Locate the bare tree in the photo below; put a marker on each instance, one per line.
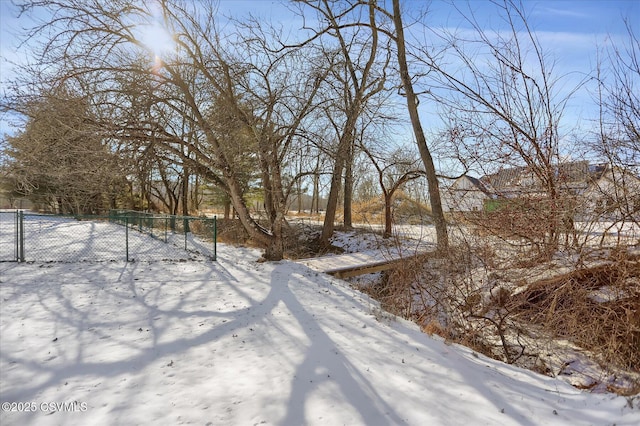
(394, 169)
(504, 103)
(358, 76)
(618, 79)
(425, 154)
(102, 43)
(618, 141)
(391, 26)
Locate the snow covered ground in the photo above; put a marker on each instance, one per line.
(237, 342)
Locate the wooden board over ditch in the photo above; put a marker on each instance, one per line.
(354, 264)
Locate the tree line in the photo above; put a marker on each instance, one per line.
(257, 111)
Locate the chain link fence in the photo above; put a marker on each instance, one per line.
(8, 235)
(121, 235)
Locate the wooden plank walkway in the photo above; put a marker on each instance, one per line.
(353, 264)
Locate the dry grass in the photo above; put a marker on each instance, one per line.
(405, 210)
(596, 308)
(231, 231)
(467, 300)
(299, 240)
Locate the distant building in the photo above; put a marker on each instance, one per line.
(467, 194)
(596, 190)
(614, 195)
(571, 178)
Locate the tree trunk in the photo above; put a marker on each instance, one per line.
(315, 198)
(272, 241)
(412, 106)
(332, 200)
(299, 188)
(185, 192)
(195, 198)
(344, 145)
(299, 185)
(227, 208)
(388, 197)
(348, 188)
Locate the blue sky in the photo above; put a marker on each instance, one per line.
(570, 31)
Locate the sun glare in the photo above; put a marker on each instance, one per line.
(152, 33)
(157, 39)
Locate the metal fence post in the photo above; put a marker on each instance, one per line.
(126, 237)
(215, 238)
(186, 229)
(21, 236)
(16, 235)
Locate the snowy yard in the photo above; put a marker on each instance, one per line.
(236, 342)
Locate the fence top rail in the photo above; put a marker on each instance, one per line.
(133, 213)
(128, 214)
(64, 216)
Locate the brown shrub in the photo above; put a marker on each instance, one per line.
(597, 308)
(231, 231)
